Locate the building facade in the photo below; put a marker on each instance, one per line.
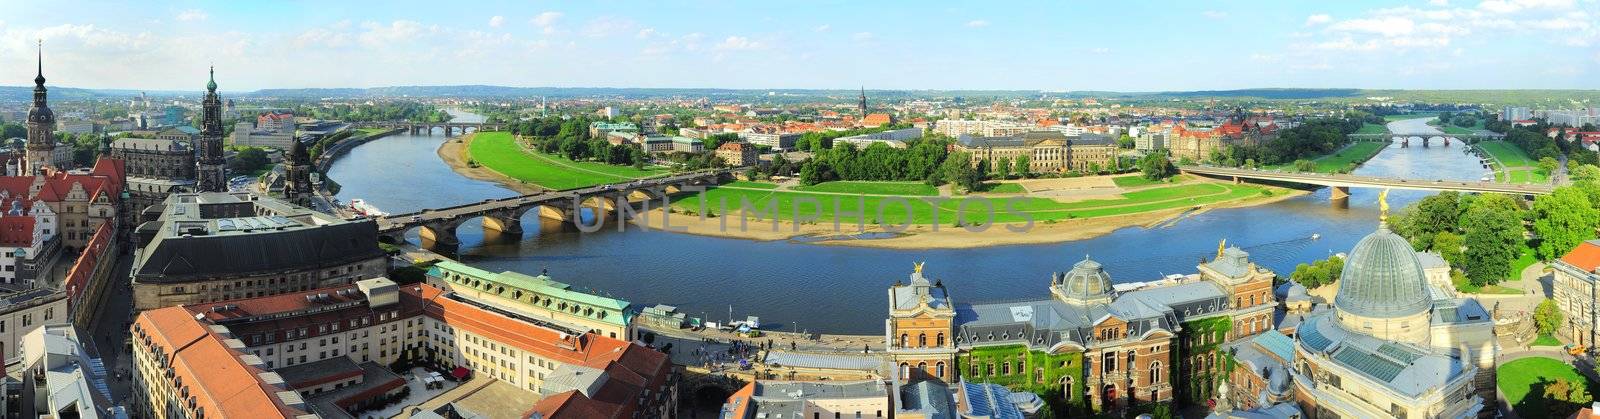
(155, 168)
(204, 247)
(1047, 151)
(538, 297)
(297, 170)
(1087, 345)
(81, 202)
(379, 321)
(737, 154)
(1575, 291)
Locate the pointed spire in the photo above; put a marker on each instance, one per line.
(39, 79)
(211, 86)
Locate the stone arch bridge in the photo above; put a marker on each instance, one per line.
(1426, 138)
(450, 128)
(505, 214)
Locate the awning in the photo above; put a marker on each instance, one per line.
(459, 373)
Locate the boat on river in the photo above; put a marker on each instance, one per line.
(362, 208)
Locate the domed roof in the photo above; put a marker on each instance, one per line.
(1382, 278)
(1087, 282)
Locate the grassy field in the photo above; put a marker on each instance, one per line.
(1134, 180)
(1006, 188)
(1516, 166)
(499, 152)
(872, 188)
(1546, 340)
(370, 131)
(1372, 129)
(1358, 152)
(921, 212)
(1516, 379)
(1392, 118)
(753, 185)
(1465, 286)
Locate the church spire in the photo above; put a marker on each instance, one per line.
(38, 80)
(211, 85)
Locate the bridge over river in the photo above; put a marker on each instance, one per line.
(1341, 183)
(505, 214)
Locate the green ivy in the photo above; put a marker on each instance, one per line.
(1197, 388)
(1047, 386)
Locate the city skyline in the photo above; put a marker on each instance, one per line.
(1435, 44)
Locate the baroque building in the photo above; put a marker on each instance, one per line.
(1088, 345)
(211, 167)
(155, 168)
(297, 175)
(1047, 151)
(1394, 345)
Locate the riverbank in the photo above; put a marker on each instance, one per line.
(454, 154)
(944, 236)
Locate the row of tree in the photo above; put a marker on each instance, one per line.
(1310, 139)
(570, 138)
(1483, 234)
(384, 111)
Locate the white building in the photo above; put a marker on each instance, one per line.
(27, 240)
(62, 379)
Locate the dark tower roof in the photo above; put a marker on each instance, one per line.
(38, 81)
(211, 85)
(40, 112)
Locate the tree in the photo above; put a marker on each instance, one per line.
(1424, 219)
(1304, 165)
(1156, 166)
(1587, 172)
(1493, 237)
(1022, 168)
(958, 170)
(1562, 220)
(1003, 168)
(1448, 245)
(248, 159)
(1547, 316)
(1548, 165)
(1125, 141)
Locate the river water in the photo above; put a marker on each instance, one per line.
(838, 289)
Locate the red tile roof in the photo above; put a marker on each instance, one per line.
(16, 230)
(83, 269)
(1586, 256)
(218, 382)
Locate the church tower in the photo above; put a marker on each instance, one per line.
(211, 175)
(863, 104)
(41, 127)
(297, 175)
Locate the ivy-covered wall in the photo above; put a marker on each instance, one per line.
(1040, 375)
(1198, 337)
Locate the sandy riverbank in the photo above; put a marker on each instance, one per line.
(943, 236)
(454, 153)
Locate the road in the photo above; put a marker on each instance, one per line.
(109, 329)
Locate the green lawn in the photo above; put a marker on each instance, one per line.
(1518, 378)
(370, 131)
(1508, 154)
(1546, 340)
(1465, 286)
(752, 185)
(499, 152)
(1134, 180)
(1005, 188)
(873, 188)
(1371, 128)
(1525, 258)
(1039, 209)
(1357, 152)
(1392, 118)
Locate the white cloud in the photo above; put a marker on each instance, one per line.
(546, 21)
(1439, 2)
(1347, 44)
(1214, 14)
(824, 28)
(1513, 6)
(605, 26)
(495, 22)
(645, 33)
(1386, 26)
(1318, 19)
(192, 15)
(738, 43)
(863, 36)
(378, 35)
(1099, 50)
(977, 23)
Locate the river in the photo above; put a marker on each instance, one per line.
(838, 289)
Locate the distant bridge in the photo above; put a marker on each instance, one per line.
(1341, 183)
(1426, 137)
(505, 214)
(422, 127)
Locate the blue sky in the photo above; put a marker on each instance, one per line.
(1123, 46)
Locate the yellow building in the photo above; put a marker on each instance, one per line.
(538, 297)
(1047, 151)
(919, 329)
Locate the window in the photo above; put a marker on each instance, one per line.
(939, 369)
(1110, 364)
(941, 339)
(922, 340)
(1155, 372)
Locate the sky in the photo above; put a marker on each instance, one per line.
(901, 45)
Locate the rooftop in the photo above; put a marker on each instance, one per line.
(203, 235)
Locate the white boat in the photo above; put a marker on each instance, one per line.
(361, 207)
(1315, 236)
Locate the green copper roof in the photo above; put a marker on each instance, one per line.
(212, 85)
(539, 285)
